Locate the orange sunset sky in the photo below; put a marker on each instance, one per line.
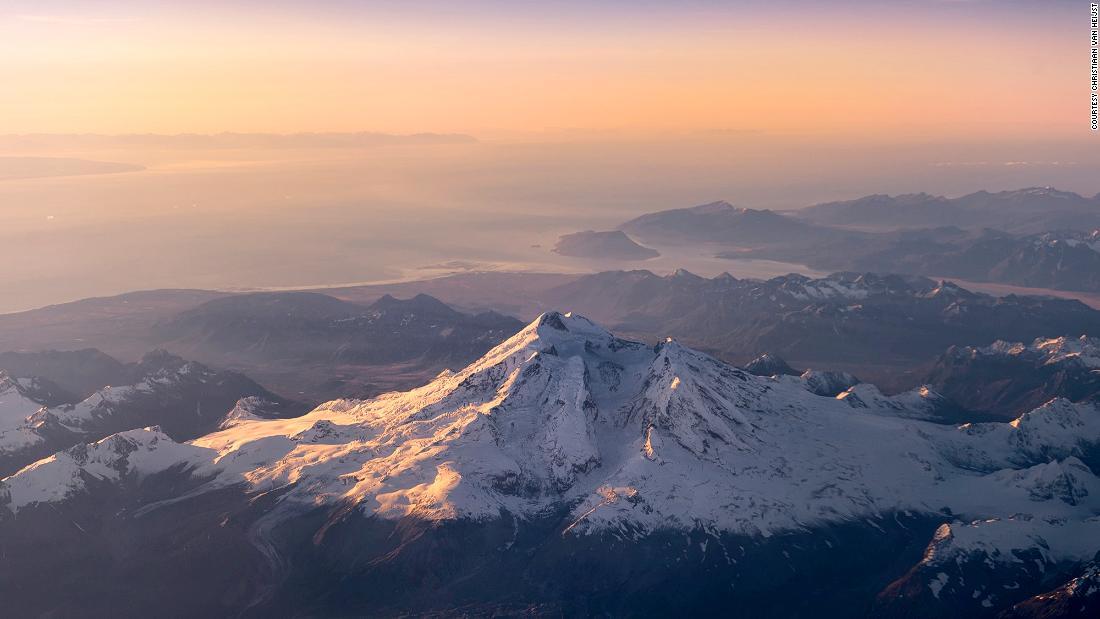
(923, 69)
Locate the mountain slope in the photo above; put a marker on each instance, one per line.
(566, 441)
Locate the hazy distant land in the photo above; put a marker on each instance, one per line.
(43, 167)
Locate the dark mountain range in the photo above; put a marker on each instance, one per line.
(316, 349)
(1008, 378)
(78, 372)
(309, 345)
(310, 326)
(118, 325)
(1053, 260)
(1079, 597)
(610, 245)
(320, 347)
(1062, 261)
(879, 327)
(567, 472)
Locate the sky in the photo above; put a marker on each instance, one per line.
(915, 70)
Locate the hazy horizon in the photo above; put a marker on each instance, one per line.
(526, 121)
(221, 218)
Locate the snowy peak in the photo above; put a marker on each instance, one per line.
(852, 286)
(16, 395)
(553, 334)
(695, 401)
(921, 402)
(1082, 350)
(18, 410)
(828, 383)
(768, 364)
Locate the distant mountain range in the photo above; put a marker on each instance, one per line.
(885, 329)
(723, 223)
(324, 347)
(311, 326)
(1031, 210)
(1056, 260)
(571, 472)
(1036, 237)
(880, 327)
(77, 373)
(307, 346)
(1024, 211)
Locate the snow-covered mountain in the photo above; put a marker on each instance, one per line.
(567, 439)
(17, 404)
(188, 399)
